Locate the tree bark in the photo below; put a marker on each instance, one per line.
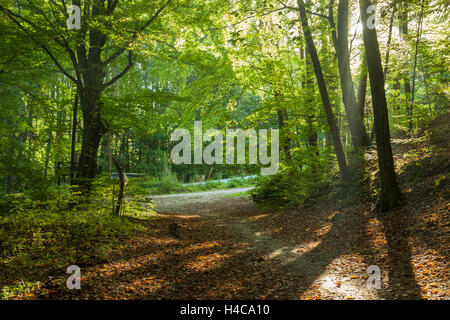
(309, 84)
(390, 193)
(93, 131)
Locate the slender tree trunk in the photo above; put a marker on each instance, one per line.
(362, 88)
(47, 153)
(309, 83)
(345, 173)
(109, 153)
(122, 183)
(74, 139)
(390, 193)
(388, 51)
(282, 118)
(403, 28)
(358, 131)
(308, 86)
(418, 36)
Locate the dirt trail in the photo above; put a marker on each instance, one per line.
(228, 248)
(232, 214)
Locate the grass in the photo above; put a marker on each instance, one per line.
(238, 194)
(169, 185)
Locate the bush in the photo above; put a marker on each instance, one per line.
(167, 184)
(288, 188)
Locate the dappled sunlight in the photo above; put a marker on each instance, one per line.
(207, 263)
(347, 288)
(200, 246)
(306, 247)
(257, 217)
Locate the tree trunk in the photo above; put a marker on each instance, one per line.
(309, 85)
(93, 131)
(122, 183)
(345, 173)
(282, 118)
(74, 137)
(403, 28)
(390, 193)
(418, 36)
(391, 25)
(362, 88)
(358, 131)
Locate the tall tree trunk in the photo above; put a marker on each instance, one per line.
(309, 84)
(418, 36)
(403, 29)
(358, 131)
(47, 153)
(386, 61)
(390, 193)
(345, 173)
(308, 90)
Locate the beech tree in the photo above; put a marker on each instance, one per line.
(390, 192)
(92, 53)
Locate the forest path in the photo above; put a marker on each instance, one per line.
(303, 264)
(227, 248)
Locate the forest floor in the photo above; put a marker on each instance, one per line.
(230, 249)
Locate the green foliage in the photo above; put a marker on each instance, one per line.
(43, 236)
(22, 287)
(169, 184)
(288, 188)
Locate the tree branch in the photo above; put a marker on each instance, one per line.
(13, 17)
(124, 71)
(307, 11)
(115, 55)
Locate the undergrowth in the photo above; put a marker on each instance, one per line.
(41, 236)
